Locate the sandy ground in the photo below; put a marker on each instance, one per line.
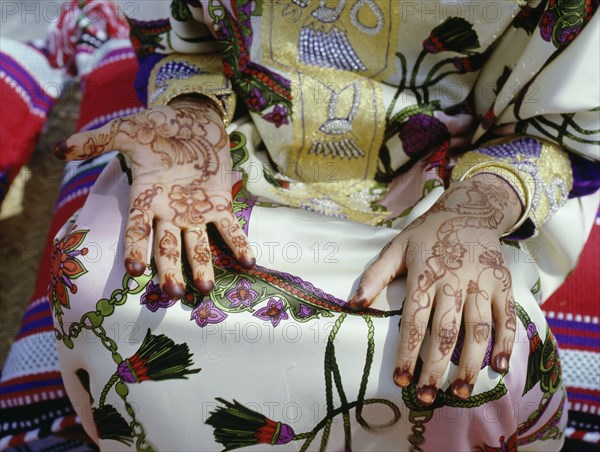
(25, 217)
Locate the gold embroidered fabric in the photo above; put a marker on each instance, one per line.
(335, 56)
(539, 172)
(206, 79)
(351, 199)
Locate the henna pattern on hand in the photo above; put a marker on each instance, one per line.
(462, 388)
(240, 242)
(402, 376)
(172, 288)
(138, 231)
(479, 206)
(448, 335)
(201, 252)
(93, 146)
(426, 394)
(481, 332)
(179, 140)
(492, 259)
(168, 247)
(189, 203)
(415, 336)
(144, 199)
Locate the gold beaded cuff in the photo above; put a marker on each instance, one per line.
(199, 75)
(538, 171)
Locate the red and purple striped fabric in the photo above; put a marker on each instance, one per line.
(573, 316)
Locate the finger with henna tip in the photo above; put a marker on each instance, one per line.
(413, 328)
(503, 306)
(235, 237)
(85, 145)
(199, 257)
(478, 330)
(137, 234)
(136, 252)
(444, 333)
(378, 275)
(167, 254)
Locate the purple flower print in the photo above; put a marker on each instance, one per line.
(305, 311)
(568, 34)
(207, 313)
(154, 298)
(255, 101)
(242, 294)
(278, 116)
(547, 24)
(273, 312)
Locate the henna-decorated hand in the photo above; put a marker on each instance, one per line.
(456, 275)
(181, 166)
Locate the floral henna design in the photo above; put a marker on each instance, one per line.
(482, 209)
(492, 259)
(451, 292)
(473, 288)
(239, 242)
(201, 252)
(138, 232)
(140, 226)
(190, 204)
(232, 227)
(481, 330)
(483, 206)
(169, 247)
(179, 140)
(94, 145)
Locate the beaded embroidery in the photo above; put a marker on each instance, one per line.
(173, 70)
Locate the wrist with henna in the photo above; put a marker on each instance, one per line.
(486, 196)
(456, 276)
(200, 102)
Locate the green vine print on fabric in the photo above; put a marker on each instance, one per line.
(563, 20)
(237, 426)
(562, 132)
(560, 24)
(158, 358)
